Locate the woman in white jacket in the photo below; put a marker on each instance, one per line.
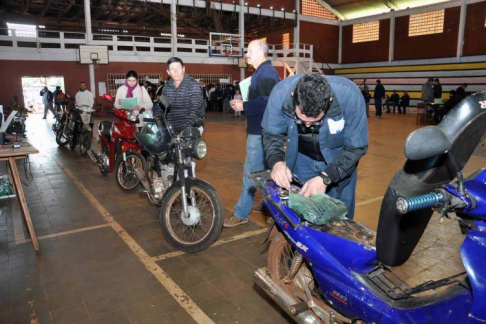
(131, 89)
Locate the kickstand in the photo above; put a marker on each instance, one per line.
(270, 227)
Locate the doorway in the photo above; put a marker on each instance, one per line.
(31, 87)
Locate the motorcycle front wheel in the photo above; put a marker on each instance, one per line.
(61, 139)
(84, 142)
(197, 231)
(125, 171)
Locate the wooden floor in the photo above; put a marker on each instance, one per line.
(103, 258)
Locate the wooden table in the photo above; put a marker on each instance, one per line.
(11, 155)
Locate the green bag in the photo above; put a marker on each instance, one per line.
(318, 209)
(5, 186)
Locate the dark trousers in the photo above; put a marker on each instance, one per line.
(404, 108)
(378, 106)
(396, 105)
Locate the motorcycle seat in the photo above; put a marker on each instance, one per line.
(105, 128)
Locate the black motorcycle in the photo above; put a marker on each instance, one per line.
(190, 211)
(61, 114)
(77, 128)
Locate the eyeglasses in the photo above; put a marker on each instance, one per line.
(299, 121)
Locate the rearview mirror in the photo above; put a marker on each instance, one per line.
(425, 143)
(108, 98)
(164, 101)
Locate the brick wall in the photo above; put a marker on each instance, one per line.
(74, 73)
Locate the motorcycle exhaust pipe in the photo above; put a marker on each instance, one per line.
(93, 158)
(285, 300)
(143, 180)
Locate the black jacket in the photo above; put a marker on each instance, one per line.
(379, 91)
(50, 96)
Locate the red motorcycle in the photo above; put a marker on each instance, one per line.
(119, 150)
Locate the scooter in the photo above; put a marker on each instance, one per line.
(339, 272)
(119, 150)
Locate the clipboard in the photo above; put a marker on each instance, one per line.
(129, 103)
(245, 88)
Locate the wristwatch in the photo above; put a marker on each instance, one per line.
(325, 178)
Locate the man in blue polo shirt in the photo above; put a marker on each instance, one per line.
(262, 83)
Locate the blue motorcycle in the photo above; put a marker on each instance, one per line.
(339, 272)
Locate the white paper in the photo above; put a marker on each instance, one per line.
(335, 127)
(101, 88)
(245, 88)
(224, 81)
(6, 123)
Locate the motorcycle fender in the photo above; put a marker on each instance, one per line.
(127, 146)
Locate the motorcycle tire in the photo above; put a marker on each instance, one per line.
(84, 142)
(61, 140)
(119, 170)
(176, 232)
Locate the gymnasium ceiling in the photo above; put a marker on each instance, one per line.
(149, 17)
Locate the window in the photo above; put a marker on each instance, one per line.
(426, 23)
(366, 32)
(22, 30)
(286, 39)
(312, 8)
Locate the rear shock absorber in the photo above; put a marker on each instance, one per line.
(405, 205)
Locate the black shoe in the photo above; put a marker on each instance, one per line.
(44, 118)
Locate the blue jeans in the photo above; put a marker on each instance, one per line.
(307, 168)
(254, 162)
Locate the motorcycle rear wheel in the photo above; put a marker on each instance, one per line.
(84, 142)
(125, 175)
(201, 235)
(61, 140)
(280, 255)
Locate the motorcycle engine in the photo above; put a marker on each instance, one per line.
(167, 172)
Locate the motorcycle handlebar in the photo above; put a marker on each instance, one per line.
(432, 199)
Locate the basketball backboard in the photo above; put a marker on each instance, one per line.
(225, 45)
(93, 54)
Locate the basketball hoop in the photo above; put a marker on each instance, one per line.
(227, 53)
(96, 63)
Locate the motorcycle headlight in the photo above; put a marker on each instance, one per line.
(200, 149)
(131, 116)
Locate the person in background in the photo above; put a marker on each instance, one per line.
(395, 101)
(428, 91)
(47, 98)
(158, 92)
(379, 95)
(84, 97)
(55, 94)
(132, 89)
(61, 101)
(405, 102)
(461, 92)
(437, 89)
(387, 103)
(226, 98)
(262, 82)
(204, 92)
(366, 95)
(237, 96)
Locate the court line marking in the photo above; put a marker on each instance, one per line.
(79, 230)
(217, 243)
(177, 293)
(369, 201)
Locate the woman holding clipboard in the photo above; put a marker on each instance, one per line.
(132, 96)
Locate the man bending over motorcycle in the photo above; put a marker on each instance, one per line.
(185, 97)
(324, 121)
